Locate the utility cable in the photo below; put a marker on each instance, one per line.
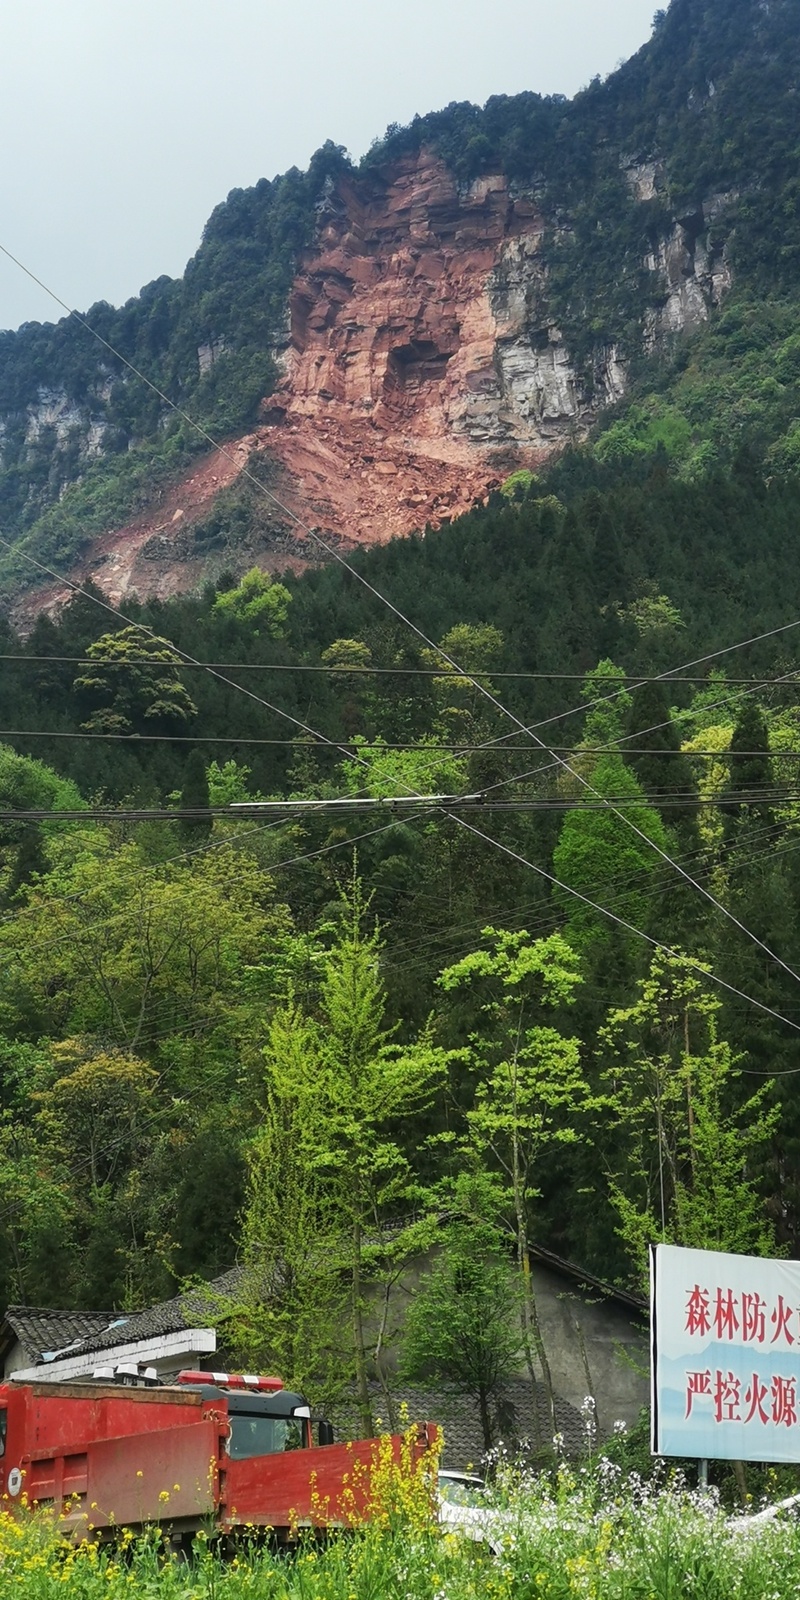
(356, 670)
(444, 655)
(420, 745)
(395, 611)
(629, 927)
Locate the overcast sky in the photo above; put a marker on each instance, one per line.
(124, 122)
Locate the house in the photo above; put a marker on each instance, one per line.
(62, 1345)
(595, 1337)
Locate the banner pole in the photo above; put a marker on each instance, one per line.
(702, 1474)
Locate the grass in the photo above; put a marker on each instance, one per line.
(598, 1534)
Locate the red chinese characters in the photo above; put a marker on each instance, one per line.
(741, 1317)
(753, 1315)
(727, 1392)
(780, 1320)
(726, 1322)
(784, 1401)
(698, 1319)
(755, 1395)
(697, 1383)
(776, 1402)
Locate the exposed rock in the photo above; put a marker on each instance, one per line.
(646, 178)
(57, 411)
(412, 344)
(695, 276)
(208, 353)
(420, 364)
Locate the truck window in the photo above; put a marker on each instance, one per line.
(263, 1436)
(3, 1431)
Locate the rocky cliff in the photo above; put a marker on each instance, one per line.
(419, 366)
(415, 376)
(385, 344)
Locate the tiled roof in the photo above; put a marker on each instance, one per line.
(587, 1281)
(43, 1331)
(460, 1421)
(189, 1310)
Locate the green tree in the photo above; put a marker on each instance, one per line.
(529, 1086)
(30, 863)
(464, 712)
(347, 660)
(196, 796)
(111, 944)
(688, 1167)
(599, 855)
(750, 766)
(653, 751)
(134, 684)
(292, 1306)
(462, 1328)
(256, 599)
(351, 1088)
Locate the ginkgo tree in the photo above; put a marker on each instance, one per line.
(529, 1084)
(687, 1164)
(337, 1077)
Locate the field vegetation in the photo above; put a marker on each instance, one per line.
(596, 1535)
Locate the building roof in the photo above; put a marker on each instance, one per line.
(43, 1329)
(526, 1420)
(587, 1281)
(44, 1332)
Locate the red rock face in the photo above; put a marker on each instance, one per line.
(390, 369)
(412, 383)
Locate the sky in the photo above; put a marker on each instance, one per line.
(124, 122)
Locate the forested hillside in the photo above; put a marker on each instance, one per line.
(551, 998)
(668, 195)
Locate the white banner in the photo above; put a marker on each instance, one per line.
(725, 1355)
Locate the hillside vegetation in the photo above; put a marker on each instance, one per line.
(318, 1037)
(707, 107)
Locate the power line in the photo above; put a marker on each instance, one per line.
(356, 670)
(349, 806)
(271, 868)
(358, 743)
(620, 744)
(337, 556)
(107, 607)
(650, 843)
(629, 927)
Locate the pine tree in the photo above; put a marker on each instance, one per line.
(31, 860)
(750, 780)
(655, 755)
(195, 796)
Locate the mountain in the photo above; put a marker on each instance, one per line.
(384, 344)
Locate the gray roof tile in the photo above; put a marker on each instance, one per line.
(42, 1331)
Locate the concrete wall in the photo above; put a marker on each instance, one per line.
(594, 1344)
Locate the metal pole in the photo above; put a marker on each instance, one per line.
(702, 1474)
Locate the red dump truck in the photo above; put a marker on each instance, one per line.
(217, 1451)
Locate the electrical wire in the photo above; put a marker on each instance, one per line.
(686, 800)
(358, 744)
(337, 556)
(629, 927)
(444, 655)
(357, 670)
